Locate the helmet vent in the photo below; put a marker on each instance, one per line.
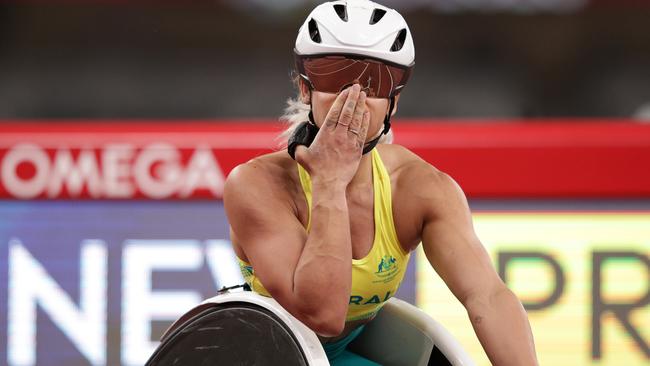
(376, 16)
(314, 34)
(399, 41)
(341, 11)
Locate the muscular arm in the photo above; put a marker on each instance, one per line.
(457, 255)
(323, 274)
(308, 274)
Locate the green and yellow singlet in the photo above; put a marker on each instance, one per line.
(376, 277)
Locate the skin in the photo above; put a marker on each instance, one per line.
(428, 208)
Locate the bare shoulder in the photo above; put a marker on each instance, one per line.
(420, 188)
(267, 183)
(272, 172)
(410, 172)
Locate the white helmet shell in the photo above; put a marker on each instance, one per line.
(359, 27)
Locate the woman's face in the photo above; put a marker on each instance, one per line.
(322, 102)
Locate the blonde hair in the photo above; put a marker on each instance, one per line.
(297, 112)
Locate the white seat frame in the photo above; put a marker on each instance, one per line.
(400, 335)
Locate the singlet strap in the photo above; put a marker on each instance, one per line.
(305, 182)
(384, 204)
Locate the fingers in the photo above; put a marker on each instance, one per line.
(363, 129)
(332, 118)
(357, 119)
(347, 113)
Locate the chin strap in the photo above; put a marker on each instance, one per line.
(305, 132)
(372, 143)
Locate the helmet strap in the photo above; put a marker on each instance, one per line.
(311, 107)
(372, 143)
(304, 134)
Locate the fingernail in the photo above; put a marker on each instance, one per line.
(356, 87)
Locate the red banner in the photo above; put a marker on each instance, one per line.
(189, 160)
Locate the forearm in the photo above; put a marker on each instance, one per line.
(323, 275)
(502, 327)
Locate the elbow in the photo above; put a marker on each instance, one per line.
(328, 327)
(325, 322)
(480, 300)
(324, 316)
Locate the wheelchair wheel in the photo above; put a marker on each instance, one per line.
(234, 333)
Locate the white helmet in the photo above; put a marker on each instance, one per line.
(358, 27)
(355, 29)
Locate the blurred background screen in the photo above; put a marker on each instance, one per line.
(206, 59)
(120, 121)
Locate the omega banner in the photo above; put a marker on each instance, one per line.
(111, 230)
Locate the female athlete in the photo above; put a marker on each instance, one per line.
(329, 234)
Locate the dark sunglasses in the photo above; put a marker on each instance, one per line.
(333, 73)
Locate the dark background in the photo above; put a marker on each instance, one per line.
(232, 59)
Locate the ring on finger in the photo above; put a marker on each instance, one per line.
(356, 132)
